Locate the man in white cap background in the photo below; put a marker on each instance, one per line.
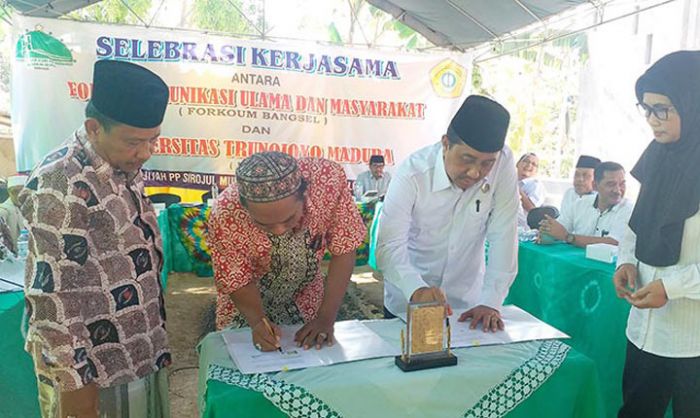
(9, 211)
(583, 183)
(94, 298)
(374, 179)
(444, 201)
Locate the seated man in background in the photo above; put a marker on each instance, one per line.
(3, 190)
(600, 218)
(374, 179)
(531, 189)
(9, 210)
(583, 184)
(269, 232)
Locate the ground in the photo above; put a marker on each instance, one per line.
(190, 303)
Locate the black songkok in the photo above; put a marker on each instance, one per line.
(129, 94)
(586, 161)
(480, 123)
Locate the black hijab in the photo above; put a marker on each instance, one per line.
(669, 173)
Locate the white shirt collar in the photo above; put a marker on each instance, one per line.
(613, 208)
(441, 180)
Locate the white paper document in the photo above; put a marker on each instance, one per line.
(353, 341)
(519, 326)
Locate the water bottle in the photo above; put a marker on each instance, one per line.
(526, 234)
(357, 190)
(23, 245)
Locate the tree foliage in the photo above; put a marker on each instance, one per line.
(114, 11)
(540, 87)
(372, 26)
(230, 16)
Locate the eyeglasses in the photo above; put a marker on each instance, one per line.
(660, 113)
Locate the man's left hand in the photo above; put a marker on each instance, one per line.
(489, 317)
(652, 295)
(552, 227)
(316, 332)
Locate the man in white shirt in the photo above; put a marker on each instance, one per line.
(595, 218)
(9, 211)
(532, 191)
(445, 200)
(583, 184)
(374, 179)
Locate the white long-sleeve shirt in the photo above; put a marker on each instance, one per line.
(534, 189)
(674, 329)
(586, 219)
(569, 200)
(432, 233)
(366, 181)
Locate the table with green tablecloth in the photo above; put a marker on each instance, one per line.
(559, 285)
(544, 379)
(184, 231)
(18, 393)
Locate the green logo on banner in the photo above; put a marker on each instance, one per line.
(40, 50)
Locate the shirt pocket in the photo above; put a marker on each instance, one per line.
(477, 212)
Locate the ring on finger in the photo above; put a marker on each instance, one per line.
(258, 346)
(323, 335)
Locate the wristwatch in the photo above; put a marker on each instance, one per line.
(570, 238)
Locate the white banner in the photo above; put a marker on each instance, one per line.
(230, 98)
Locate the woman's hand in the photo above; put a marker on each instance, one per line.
(625, 280)
(652, 295)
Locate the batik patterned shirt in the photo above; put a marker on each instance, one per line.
(241, 251)
(94, 297)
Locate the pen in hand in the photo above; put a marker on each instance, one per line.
(269, 329)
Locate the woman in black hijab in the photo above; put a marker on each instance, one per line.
(659, 261)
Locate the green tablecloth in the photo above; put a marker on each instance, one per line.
(571, 391)
(558, 285)
(18, 394)
(184, 231)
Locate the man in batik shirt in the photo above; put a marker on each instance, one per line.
(94, 298)
(268, 234)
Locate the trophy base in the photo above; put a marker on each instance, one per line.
(426, 361)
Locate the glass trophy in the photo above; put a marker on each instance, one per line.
(425, 343)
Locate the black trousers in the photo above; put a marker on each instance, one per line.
(650, 382)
